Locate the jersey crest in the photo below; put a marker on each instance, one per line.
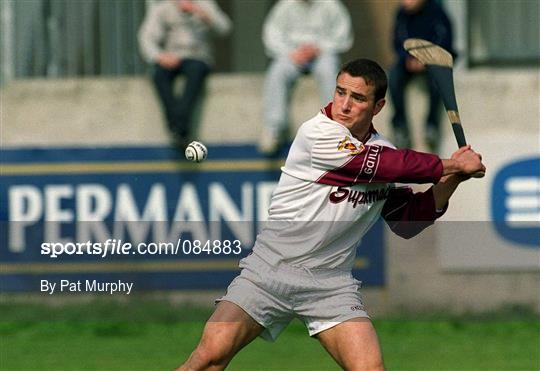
(347, 145)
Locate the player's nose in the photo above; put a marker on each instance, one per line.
(346, 104)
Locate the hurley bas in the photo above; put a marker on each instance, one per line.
(86, 286)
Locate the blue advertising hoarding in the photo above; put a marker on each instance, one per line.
(515, 203)
(107, 199)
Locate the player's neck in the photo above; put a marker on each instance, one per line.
(362, 133)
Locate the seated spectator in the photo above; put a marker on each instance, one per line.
(300, 37)
(423, 19)
(175, 39)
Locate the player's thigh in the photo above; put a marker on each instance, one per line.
(353, 344)
(228, 330)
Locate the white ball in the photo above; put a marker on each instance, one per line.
(196, 151)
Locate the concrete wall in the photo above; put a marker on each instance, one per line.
(125, 111)
(120, 111)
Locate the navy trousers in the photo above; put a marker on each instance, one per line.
(398, 80)
(179, 109)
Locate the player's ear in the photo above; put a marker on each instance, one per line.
(379, 106)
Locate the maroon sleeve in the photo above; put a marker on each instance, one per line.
(408, 213)
(379, 164)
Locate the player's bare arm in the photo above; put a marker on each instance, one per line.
(443, 190)
(409, 213)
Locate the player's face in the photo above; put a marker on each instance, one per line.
(354, 103)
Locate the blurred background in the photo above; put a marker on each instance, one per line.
(85, 147)
(56, 38)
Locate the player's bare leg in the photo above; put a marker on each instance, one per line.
(227, 331)
(354, 345)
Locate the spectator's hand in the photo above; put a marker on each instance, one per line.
(310, 51)
(168, 60)
(413, 65)
(469, 162)
(188, 6)
(298, 57)
(304, 54)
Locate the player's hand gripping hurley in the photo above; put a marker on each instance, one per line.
(439, 63)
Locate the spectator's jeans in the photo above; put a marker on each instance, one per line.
(398, 80)
(280, 78)
(179, 110)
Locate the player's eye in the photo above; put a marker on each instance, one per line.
(359, 98)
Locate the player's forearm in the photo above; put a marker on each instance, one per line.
(443, 190)
(450, 166)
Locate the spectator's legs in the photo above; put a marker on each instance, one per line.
(325, 69)
(398, 79)
(280, 77)
(195, 73)
(433, 136)
(164, 82)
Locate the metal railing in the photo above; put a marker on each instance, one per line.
(63, 38)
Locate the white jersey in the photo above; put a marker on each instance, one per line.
(313, 224)
(332, 190)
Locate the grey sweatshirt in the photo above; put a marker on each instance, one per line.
(168, 29)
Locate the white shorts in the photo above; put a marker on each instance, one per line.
(273, 296)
